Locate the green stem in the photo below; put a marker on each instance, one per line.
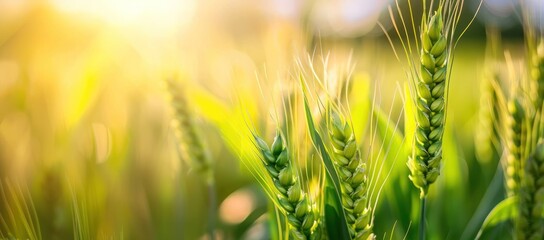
(422, 219)
(212, 209)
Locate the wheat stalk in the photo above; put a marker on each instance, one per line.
(516, 139)
(190, 143)
(291, 199)
(425, 161)
(192, 148)
(429, 75)
(537, 73)
(530, 222)
(353, 175)
(489, 119)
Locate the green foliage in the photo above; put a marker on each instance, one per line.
(531, 197)
(84, 125)
(335, 219)
(504, 211)
(19, 219)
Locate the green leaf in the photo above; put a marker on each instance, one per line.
(393, 151)
(392, 141)
(335, 219)
(334, 213)
(22, 221)
(235, 133)
(398, 191)
(274, 222)
(504, 211)
(491, 197)
(450, 188)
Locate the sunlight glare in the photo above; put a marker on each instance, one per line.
(156, 15)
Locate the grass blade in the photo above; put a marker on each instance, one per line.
(504, 211)
(335, 220)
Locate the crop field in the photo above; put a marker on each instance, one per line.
(272, 119)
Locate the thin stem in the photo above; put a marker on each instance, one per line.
(212, 208)
(422, 219)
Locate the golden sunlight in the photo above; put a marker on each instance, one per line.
(155, 15)
(271, 119)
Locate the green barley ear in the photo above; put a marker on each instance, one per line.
(291, 199)
(530, 221)
(191, 145)
(516, 139)
(425, 161)
(353, 176)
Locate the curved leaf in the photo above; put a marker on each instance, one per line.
(504, 211)
(335, 220)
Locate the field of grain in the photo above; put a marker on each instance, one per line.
(271, 119)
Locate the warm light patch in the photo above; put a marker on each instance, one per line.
(237, 206)
(102, 142)
(314, 189)
(155, 15)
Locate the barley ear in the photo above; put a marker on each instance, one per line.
(530, 220)
(291, 199)
(425, 161)
(353, 176)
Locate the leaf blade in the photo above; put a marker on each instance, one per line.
(505, 210)
(334, 212)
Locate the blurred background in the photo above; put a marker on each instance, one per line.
(85, 136)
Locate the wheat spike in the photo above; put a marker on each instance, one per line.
(193, 150)
(516, 138)
(291, 199)
(530, 222)
(537, 73)
(353, 176)
(489, 119)
(425, 161)
(191, 145)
